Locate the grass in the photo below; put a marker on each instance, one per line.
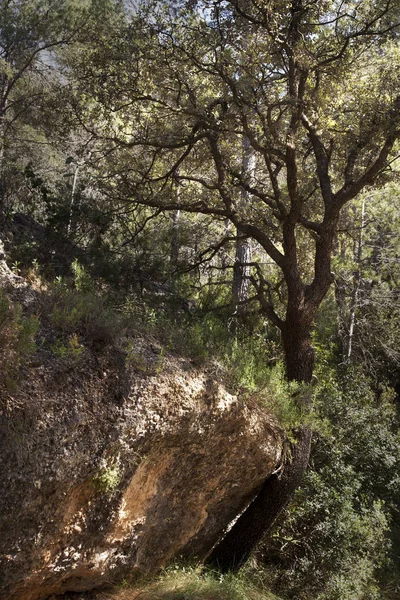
(193, 583)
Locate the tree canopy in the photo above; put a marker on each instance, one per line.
(274, 124)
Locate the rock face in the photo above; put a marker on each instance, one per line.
(109, 467)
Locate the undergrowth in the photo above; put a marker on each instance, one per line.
(17, 341)
(191, 583)
(249, 365)
(79, 312)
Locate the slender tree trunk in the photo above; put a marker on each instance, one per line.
(226, 259)
(241, 270)
(73, 196)
(241, 274)
(2, 182)
(341, 307)
(175, 237)
(2, 153)
(340, 287)
(356, 287)
(4, 82)
(175, 242)
(258, 519)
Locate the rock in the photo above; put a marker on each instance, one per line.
(108, 471)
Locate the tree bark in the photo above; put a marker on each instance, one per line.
(241, 270)
(356, 286)
(175, 242)
(73, 197)
(241, 274)
(235, 548)
(299, 353)
(2, 153)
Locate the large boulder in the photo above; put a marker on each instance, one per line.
(112, 466)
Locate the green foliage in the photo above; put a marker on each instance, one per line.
(107, 479)
(81, 313)
(283, 399)
(72, 350)
(136, 360)
(134, 130)
(237, 353)
(82, 280)
(17, 340)
(71, 311)
(335, 542)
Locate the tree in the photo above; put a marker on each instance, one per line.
(243, 255)
(309, 103)
(32, 37)
(333, 541)
(367, 284)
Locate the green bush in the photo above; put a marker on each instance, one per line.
(83, 313)
(107, 479)
(71, 350)
(334, 542)
(17, 340)
(82, 280)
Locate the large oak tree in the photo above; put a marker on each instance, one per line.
(313, 88)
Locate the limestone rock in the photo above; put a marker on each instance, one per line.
(108, 469)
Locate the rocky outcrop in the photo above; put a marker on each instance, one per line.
(109, 467)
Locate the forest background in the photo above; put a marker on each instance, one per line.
(225, 175)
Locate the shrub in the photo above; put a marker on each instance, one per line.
(107, 479)
(71, 350)
(79, 313)
(334, 539)
(17, 340)
(82, 280)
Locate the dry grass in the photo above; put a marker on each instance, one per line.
(192, 584)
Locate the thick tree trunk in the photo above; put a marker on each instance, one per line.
(299, 353)
(235, 548)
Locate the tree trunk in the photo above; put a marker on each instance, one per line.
(357, 285)
(73, 196)
(257, 520)
(299, 353)
(241, 274)
(175, 242)
(241, 270)
(2, 152)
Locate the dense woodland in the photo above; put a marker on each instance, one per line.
(225, 173)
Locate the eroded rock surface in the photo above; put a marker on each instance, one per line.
(108, 468)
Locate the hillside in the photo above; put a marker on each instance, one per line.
(114, 464)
